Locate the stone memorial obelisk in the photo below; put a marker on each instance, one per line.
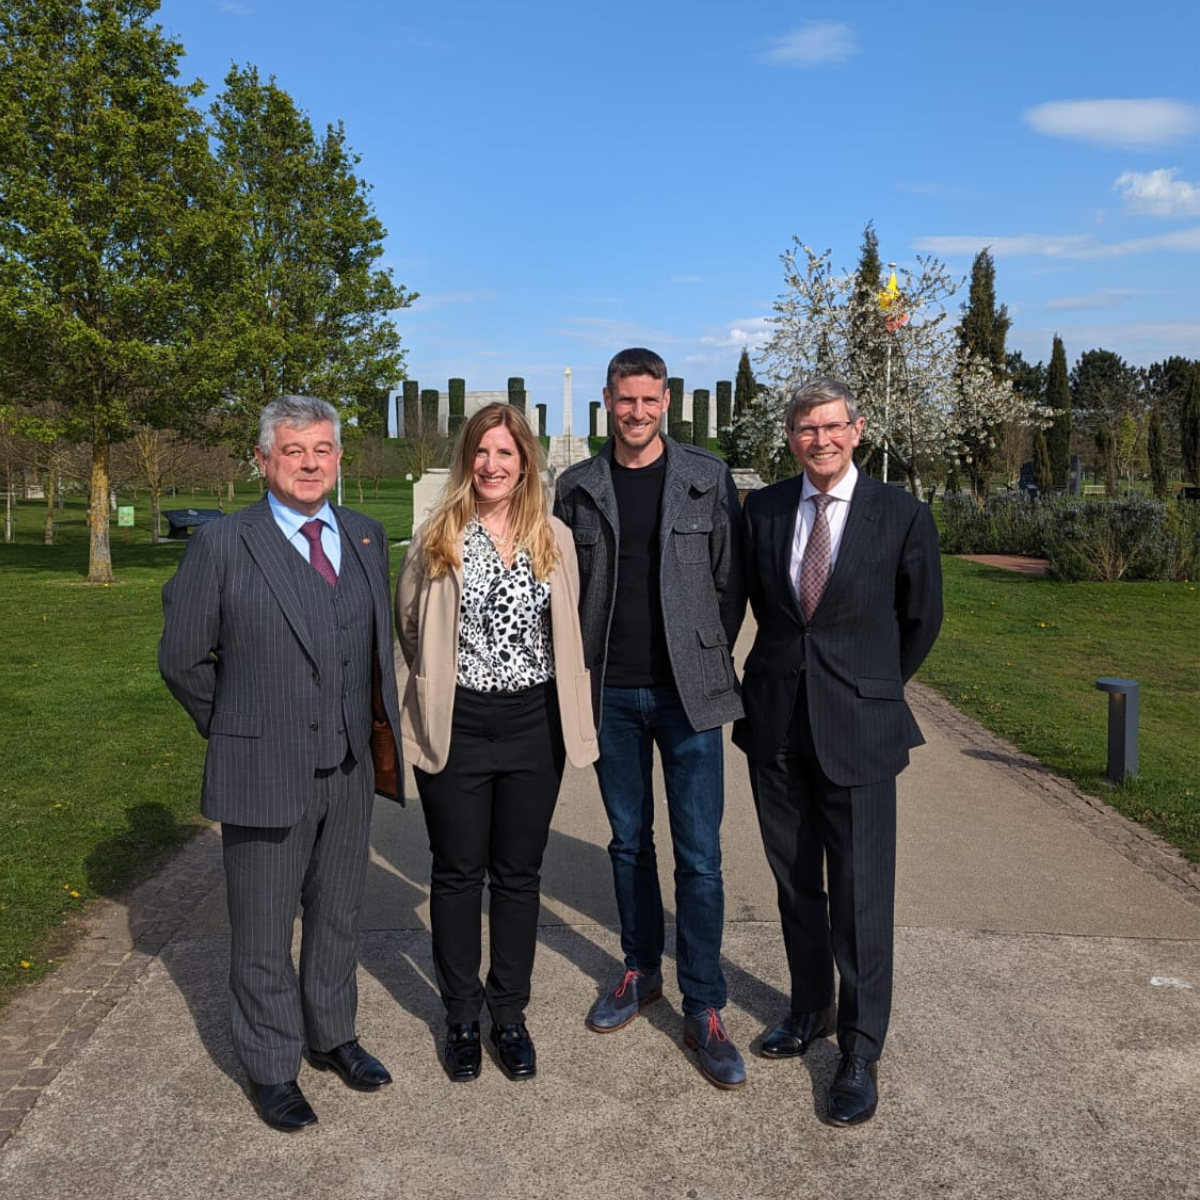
(567, 403)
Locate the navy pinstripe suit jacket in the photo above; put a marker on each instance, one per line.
(237, 654)
(877, 619)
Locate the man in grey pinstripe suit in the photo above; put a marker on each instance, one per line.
(274, 626)
(845, 582)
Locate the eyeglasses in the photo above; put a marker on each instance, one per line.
(833, 430)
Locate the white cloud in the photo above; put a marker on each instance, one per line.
(471, 296)
(1077, 246)
(813, 43)
(1139, 343)
(686, 279)
(1159, 193)
(1134, 123)
(738, 335)
(235, 9)
(1107, 298)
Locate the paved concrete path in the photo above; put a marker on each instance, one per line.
(1045, 1040)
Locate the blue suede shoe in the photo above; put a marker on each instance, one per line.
(614, 1010)
(720, 1062)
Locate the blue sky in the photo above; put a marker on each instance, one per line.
(559, 181)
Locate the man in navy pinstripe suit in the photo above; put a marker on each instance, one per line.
(274, 627)
(844, 579)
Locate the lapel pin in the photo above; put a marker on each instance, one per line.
(366, 541)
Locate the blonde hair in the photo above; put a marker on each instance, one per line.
(528, 519)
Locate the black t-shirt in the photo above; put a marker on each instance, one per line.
(637, 641)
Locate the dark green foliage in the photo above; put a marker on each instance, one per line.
(1106, 459)
(867, 352)
(745, 388)
(517, 396)
(412, 407)
(684, 433)
(700, 402)
(724, 404)
(1156, 452)
(541, 421)
(457, 389)
(429, 412)
(1103, 540)
(1058, 398)
(594, 418)
(1041, 461)
(675, 411)
(1189, 429)
(982, 333)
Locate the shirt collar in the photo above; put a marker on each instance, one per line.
(289, 520)
(842, 490)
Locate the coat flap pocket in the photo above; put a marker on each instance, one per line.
(236, 724)
(712, 635)
(880, 689)
(693, 523)
(586, 535)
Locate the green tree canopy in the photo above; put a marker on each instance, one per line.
(115, 247)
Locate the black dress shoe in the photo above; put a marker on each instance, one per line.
(282, 1105)
(514, 1048)
(358, 1069)
(852, 1095)
(796, 1033)
(463, 1055)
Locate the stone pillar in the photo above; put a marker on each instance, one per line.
(567, 402)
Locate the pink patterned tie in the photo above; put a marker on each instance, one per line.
(814, 567)
(316, 552)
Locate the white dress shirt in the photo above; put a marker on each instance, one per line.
(289, 520)
(835, 514)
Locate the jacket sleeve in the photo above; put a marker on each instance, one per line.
(728, 565)
(919, 592)
(408, 594)
(187, 653)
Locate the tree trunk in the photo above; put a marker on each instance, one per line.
(8, 512)
(51, 487)
(155, 510)
(99, 546)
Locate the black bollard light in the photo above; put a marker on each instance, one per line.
(1122, 728)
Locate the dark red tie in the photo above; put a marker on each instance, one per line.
(814, 566)
(316, 552)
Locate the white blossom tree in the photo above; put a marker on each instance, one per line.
(894, 345)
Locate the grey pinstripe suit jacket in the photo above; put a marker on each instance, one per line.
(237, 654)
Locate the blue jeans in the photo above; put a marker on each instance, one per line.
(633, 721)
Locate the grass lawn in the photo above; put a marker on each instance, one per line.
(99, 767)
(1022, 655)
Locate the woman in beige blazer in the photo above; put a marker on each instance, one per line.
(497, 697)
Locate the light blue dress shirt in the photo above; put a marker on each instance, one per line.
(289, 520)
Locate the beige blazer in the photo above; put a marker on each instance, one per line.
(427, 624)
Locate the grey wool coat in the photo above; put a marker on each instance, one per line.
(702, 589)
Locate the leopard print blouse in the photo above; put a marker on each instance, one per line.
(504, 621)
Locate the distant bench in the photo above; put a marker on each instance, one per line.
(180, 521)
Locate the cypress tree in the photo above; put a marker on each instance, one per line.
(1058, 398)
(541, 419)
(1041, 461)
(1106, 459)
(517, 396)
(429, 412)
(594, 418)
(1156, 451)
(724, 404)
(1189, 429)
(981, 333)
(867, 350)
(745, 387)
(700, 401)
(675, 411)
(412, 408)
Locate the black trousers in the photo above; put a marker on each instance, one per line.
(811, 828)
(488, 811)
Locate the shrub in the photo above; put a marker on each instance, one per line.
(1106, 541)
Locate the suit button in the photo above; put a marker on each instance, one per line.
(313, 727)
(316, 676)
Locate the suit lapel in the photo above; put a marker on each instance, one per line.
(782, 536)
(857, 537)
(269, 549)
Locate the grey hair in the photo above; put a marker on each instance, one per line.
(821, 390)
(296, 412)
